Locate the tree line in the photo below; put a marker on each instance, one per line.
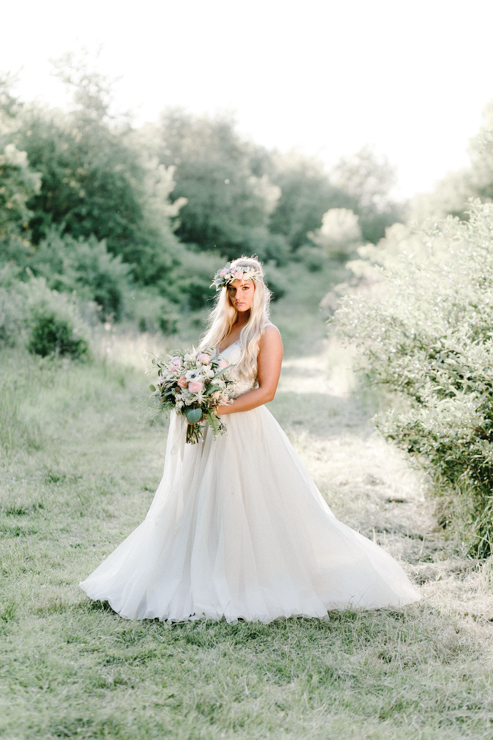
(135, 220)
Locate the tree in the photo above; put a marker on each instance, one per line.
(97, 183)
(225, 200)
(368, 180)
(452, 194)
(18, 183)
(339, 234)
(306, 194)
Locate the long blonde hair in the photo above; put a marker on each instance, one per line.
(224, 315)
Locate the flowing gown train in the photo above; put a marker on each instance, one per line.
(238, 529)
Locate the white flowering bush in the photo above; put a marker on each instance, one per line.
(424, 323)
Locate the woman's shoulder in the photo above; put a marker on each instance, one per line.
(270, 328)
(271, 334)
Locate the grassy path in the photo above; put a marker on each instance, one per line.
(79, 468)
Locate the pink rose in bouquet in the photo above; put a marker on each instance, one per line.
(195, 386)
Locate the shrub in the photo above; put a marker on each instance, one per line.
(53, 323)
(151, 312)
(83, 266)
(10, 317)
(194, 278)
(425, 326)
(312, 257)
(275, 280)
(268, 247)
(11, 306)
(339, 234)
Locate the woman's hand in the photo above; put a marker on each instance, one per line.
(221, 410)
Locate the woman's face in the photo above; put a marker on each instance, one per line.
(241, 293)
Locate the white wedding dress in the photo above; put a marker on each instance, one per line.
(238, 529)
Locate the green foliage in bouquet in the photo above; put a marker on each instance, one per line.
(425, 326)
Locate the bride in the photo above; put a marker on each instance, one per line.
(237, 527)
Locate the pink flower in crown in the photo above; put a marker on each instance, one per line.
(238, 274)
(223, 272)
(204, 358)
(195, 386)
(182, 382)
(223, 364)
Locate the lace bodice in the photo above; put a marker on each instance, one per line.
(232, 354)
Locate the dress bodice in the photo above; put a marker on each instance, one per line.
(241, 385)
(232, 353)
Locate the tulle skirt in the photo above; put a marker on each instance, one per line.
(238, 529)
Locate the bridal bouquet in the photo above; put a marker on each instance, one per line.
(194, 384)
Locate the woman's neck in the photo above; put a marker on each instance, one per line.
(242, 318)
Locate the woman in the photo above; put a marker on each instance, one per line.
(237, 528)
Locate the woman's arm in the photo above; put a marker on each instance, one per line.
(269, 361)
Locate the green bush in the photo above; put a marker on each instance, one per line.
(54, 326)
(275, 280)
(83, 266)
(312, 257)
(424, 322)
(268, 247)
(151, 312)
(11, 307)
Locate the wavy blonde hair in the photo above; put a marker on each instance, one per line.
(224, 315)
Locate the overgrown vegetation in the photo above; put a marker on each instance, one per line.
(78, 472)
(422, 316)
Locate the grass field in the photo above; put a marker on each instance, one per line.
(81, 457)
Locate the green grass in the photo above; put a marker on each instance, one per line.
(80, 460)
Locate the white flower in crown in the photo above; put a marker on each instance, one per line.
(231, 272)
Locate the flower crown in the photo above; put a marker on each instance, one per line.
(231, 272)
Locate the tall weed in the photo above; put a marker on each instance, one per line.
(17, 431)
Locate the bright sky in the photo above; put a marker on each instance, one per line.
(325, 76)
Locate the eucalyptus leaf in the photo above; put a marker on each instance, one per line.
(193, 415)
(220, 372)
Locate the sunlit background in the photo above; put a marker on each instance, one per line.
(325, 77)
(310, 134)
